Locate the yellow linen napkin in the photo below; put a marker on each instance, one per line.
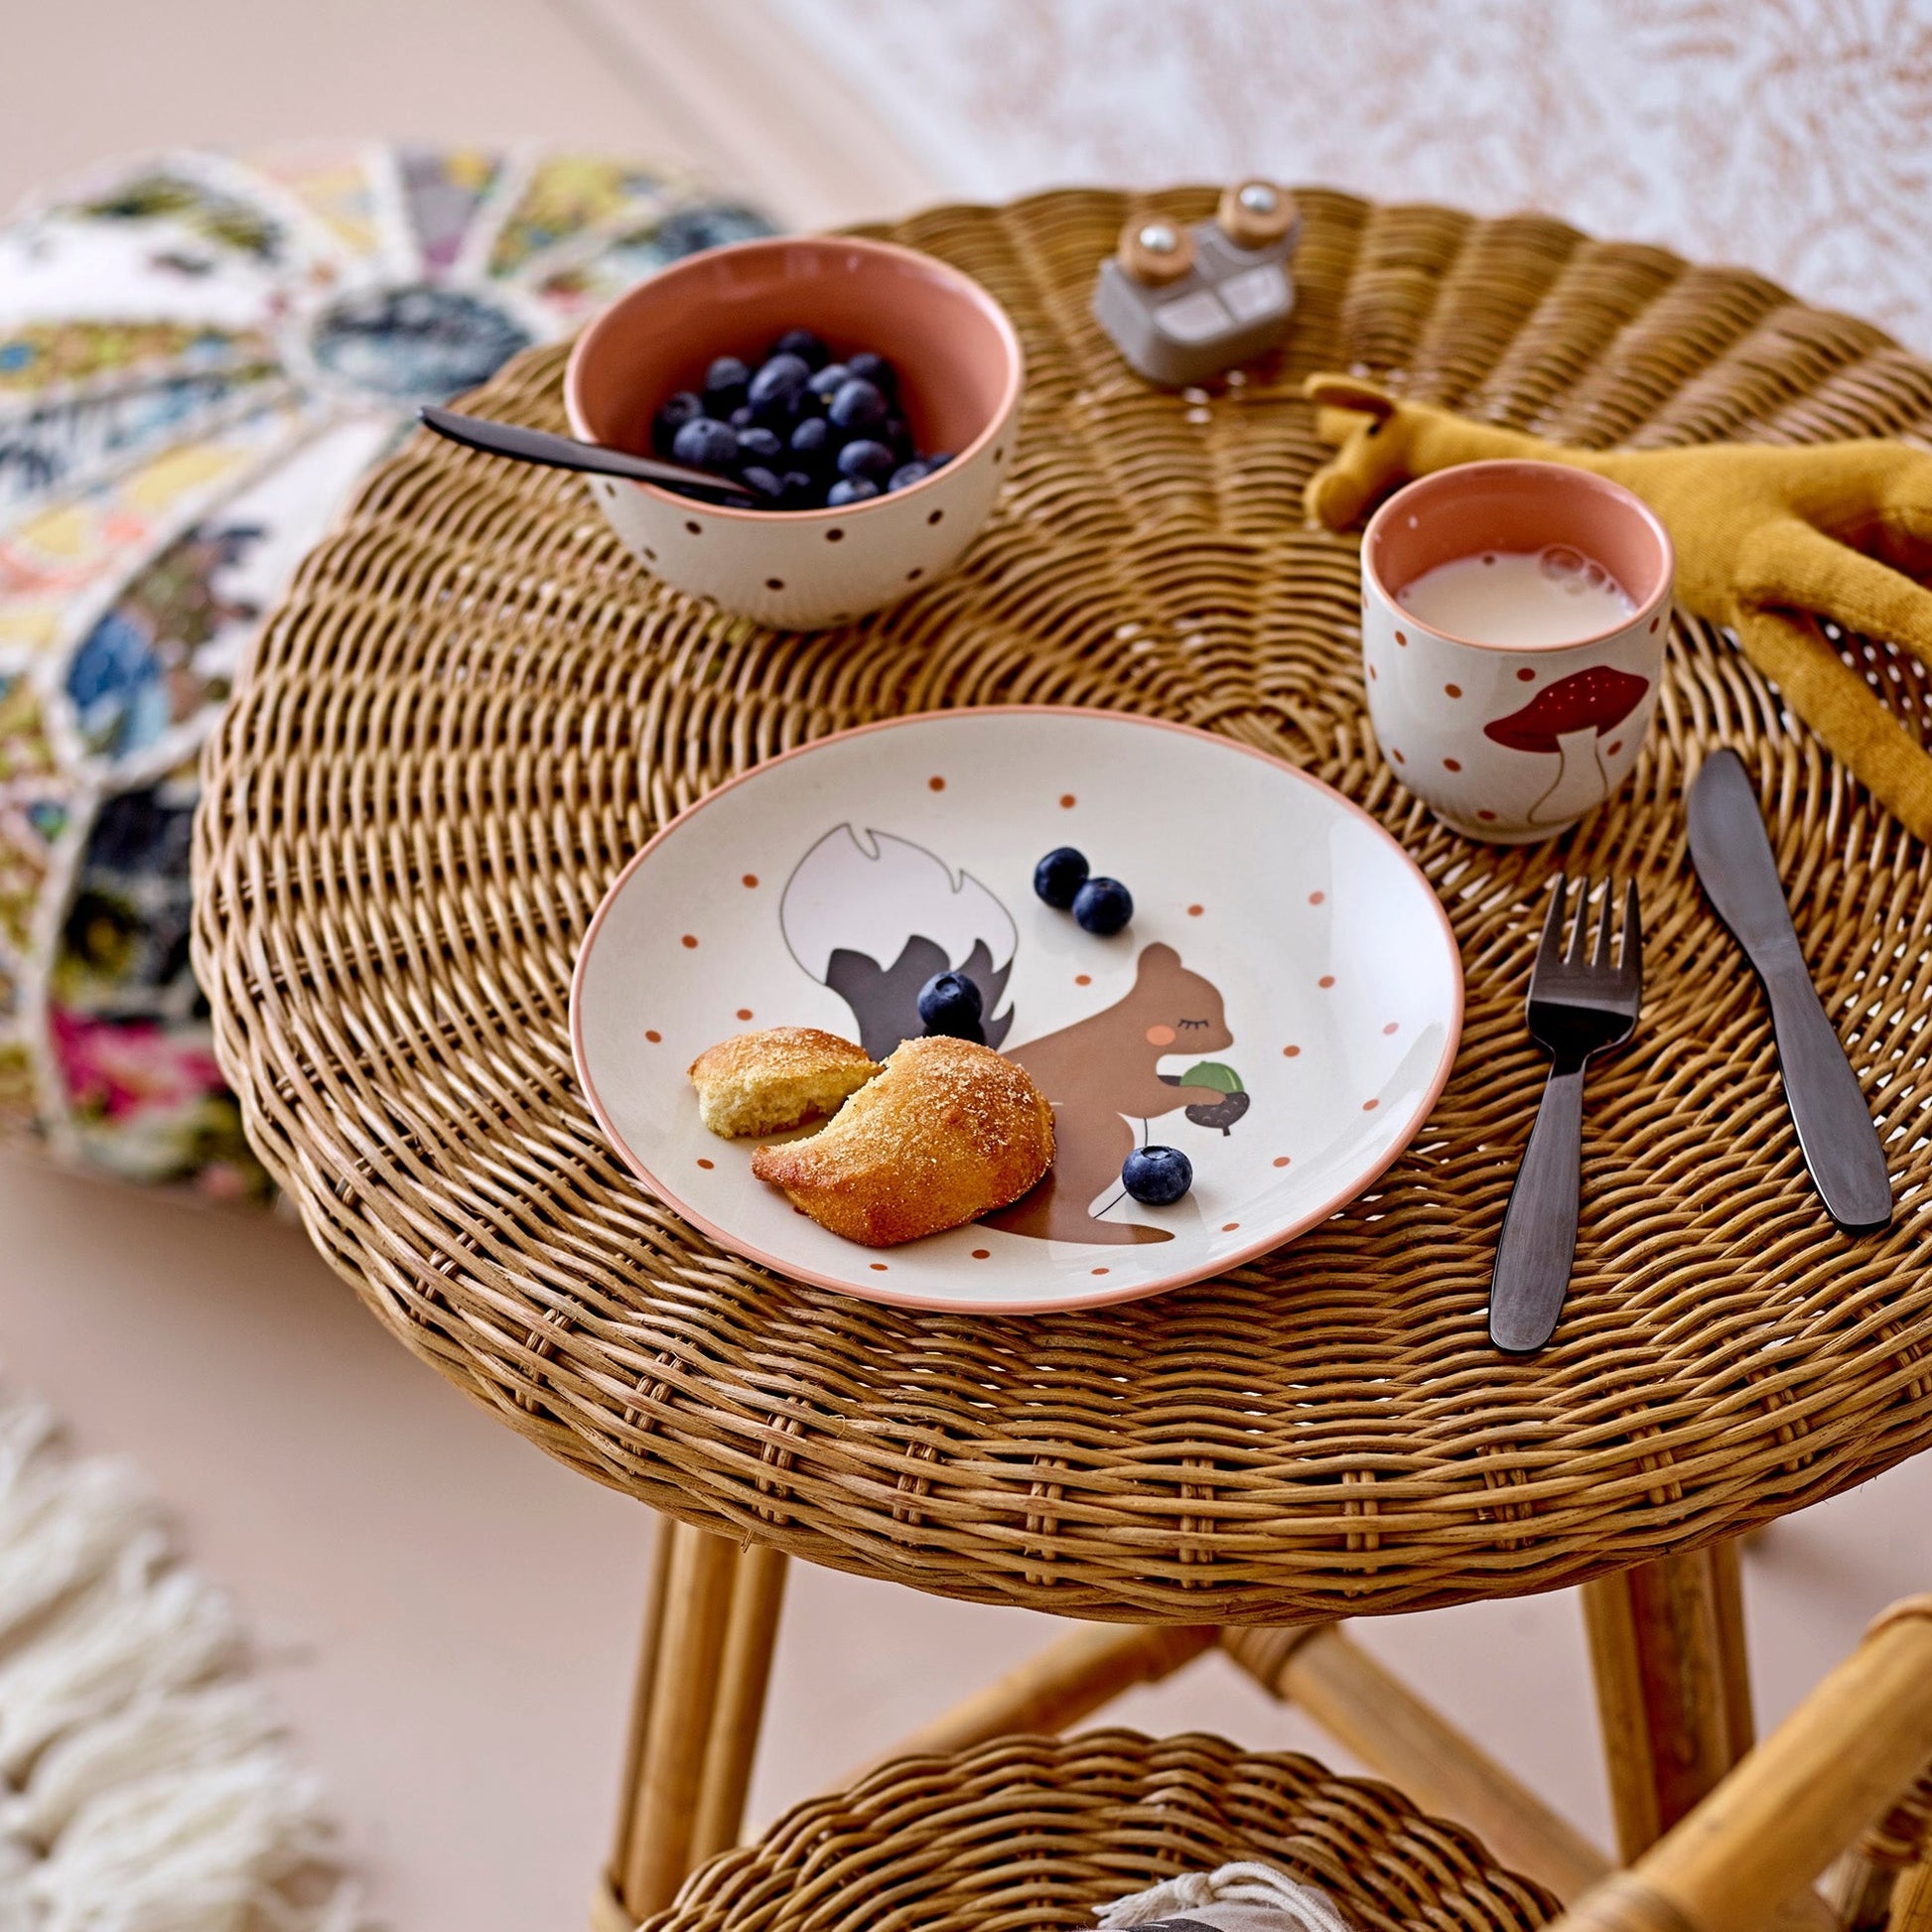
(1765, 537)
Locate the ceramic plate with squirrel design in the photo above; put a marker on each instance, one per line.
(1284, 1006)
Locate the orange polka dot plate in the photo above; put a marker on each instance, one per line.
(1284, 1006)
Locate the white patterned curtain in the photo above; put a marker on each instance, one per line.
(1791, 135)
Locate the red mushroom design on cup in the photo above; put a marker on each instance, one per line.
(1570, 719)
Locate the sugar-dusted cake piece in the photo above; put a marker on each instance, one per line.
(779, 1077)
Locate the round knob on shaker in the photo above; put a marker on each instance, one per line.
(1155, 251)
(1256, 213)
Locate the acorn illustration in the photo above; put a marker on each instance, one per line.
(1222, 1113)
(1568, 718)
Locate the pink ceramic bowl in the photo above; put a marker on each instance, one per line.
(959, 366)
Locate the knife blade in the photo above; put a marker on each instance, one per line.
(1739, 875)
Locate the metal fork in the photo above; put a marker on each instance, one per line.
(1581, 1004)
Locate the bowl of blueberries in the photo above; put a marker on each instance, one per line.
(859, 399)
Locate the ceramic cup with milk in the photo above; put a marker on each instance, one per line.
(1514, 616)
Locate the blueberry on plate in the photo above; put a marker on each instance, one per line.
(937, 461)
(906, 475)
(849, 489)
(811, 442)
(802, 491)
(802, 343)
(1060, 876)
(857, 405)
(949, 1003)
(864, 458)
(725, 384)
(1102, 906)
(706, 444)
(875, 369)
(740, 417)
(828, 381)
(777, 387)
(899, 433)
(759, 445)
(764, 483)
(673, 415)
(1157, 1176)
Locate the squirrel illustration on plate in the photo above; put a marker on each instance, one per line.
(873, 917)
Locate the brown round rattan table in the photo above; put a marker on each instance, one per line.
(472, 709)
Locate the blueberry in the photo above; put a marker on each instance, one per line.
(802, 491)
(937, 461)
(828, 381)
(1060, 876)
(1103, 907)
(1157, 1176)
(764, 483)
(725, 384)
(811, 443)
(757, 445)
(706, 445)
(684, 407)
(906, 475)
(777, 387)
(849, 489)
(740, 417)
(802, 343)
(857, 405)
(899, 433)
(949, 1003)
(863, 458)
(875, 369)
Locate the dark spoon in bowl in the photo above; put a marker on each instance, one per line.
(539, 446)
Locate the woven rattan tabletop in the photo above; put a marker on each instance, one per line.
(472, 709)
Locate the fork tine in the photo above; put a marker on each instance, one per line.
(1579, 932)
(1548, 950)
(1632, 964)
(1601, 960)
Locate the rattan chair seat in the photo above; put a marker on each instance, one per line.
(1038, 1831)
(472, 709)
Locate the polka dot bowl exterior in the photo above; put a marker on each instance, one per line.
(959, 371)
(1284, 1006)
(200, 355)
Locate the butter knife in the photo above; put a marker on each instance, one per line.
(1739, 875)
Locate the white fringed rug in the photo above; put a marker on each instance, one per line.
(145, 1785)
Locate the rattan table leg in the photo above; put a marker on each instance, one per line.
(1733, 1645)
(707, 1652)
(743, 1672)
(1911, 1901)
(1673, 1686)
(1056, 1687)
(1322, 1672)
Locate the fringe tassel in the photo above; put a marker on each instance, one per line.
(1303, 1908)
(144, 1782)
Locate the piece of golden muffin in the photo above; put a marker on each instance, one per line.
(783, 1076)
(949, 1131)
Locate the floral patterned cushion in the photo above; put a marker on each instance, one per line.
(198, 356)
